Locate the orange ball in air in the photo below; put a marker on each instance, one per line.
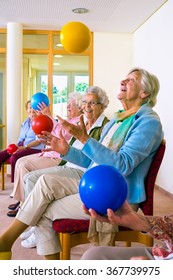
(75, 37)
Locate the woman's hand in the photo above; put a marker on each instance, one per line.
(43, 109)
(78, 131)
(125, 216)
(45, 138)
(57, 144)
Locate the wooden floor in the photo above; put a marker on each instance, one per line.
(163, 204)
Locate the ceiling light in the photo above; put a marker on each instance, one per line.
(80, 10)
(59, 45)
(58, 55)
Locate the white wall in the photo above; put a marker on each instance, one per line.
(153, 50)
(112, 61)
(151, 47)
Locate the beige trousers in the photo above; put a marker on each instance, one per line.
(27, 164)
(55, 196)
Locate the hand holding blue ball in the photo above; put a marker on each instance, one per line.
(37, 98)
(103, 187)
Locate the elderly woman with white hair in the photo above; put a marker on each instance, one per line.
(46, 158)
(126, 143)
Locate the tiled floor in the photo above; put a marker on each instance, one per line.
(163, 204)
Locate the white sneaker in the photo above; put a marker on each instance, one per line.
(11, 195)
(27, 233)
(30, 242)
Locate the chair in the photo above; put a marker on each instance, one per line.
(71, 232)
(74, 232)
(3, 173)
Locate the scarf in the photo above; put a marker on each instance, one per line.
(125, 120)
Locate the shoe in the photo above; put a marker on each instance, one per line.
(5, 255)
(13, 206)
(27, 233)
(11, 195)
(30, 242)
(13, 213)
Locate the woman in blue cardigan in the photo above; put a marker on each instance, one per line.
(129, 143)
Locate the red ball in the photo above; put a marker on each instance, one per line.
(12, 148)
(42, 123)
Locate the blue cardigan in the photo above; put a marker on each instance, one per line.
(134, 157)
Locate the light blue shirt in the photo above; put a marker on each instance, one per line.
(27, 135)
(135, 155)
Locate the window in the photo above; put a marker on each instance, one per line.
(50, 69)
(61, 84)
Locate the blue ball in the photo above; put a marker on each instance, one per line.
(103, 187)
(37, 98)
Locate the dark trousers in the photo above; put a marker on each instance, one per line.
(4, 155)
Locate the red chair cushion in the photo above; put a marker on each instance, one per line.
(70, 225)
(73, 225)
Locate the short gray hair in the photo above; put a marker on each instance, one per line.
(100, 93)
(150, 84)
(77, 97)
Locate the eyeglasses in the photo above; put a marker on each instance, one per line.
(90, 103)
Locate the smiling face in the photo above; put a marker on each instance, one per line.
(92, 107)
(30, 111)
(131, 92)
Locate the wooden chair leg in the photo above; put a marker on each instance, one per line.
(66, 246)
(128, 244)
(70, 240)
(2, 177)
